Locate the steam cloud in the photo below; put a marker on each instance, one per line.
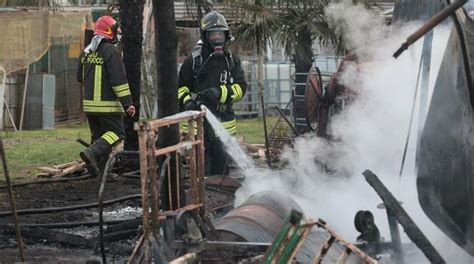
(369, 134)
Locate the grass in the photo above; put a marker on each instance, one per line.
(252, 129)
(27, 150)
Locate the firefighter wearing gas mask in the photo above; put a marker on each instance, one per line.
(106, 93)
(213, 76)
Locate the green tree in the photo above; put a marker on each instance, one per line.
(292, 24)
(256, 29)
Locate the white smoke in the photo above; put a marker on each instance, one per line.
(370, 134)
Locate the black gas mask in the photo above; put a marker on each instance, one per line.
(216, 40)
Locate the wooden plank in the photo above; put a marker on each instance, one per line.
(177, 147)
(49, 170)
(171, 120)
(366, 258)
(344, 256)
(71, 169)
(44, 175)
(185, 258)
(307, 229)
(68, 164)
(319, 258)
(189, 207)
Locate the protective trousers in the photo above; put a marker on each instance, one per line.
(106, 132)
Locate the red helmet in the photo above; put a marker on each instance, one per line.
(107, 27)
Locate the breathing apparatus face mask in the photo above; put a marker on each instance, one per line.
(216, 40)
(118, 34)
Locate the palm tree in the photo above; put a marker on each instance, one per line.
(293, 25)
(257, 29)
(301, 22)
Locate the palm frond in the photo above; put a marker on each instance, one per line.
(293, 24)
(257, 25)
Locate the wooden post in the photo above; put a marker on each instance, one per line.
(192, 163)
(23, 106)
(144, 180)
(200, 159)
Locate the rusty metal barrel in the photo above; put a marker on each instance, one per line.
(258, 219)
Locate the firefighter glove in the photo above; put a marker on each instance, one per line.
(210, 97)
(191, 105)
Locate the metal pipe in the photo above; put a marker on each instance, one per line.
(267, 150)
(429, 25)
(12, 202)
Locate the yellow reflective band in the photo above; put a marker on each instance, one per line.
(223, 94)
(101, 109)
(187, 98)
(121, 87)
(101, 103)
(182, 90)
(123, 93)
(229, 123)
(112, 135)
(102, 106)
(232, 132)
(98, 83)
(230, 126)
(108, 139)
(122, 90)
(237, 92)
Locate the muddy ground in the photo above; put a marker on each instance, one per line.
(79, 244)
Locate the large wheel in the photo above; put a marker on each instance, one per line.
(312, 99)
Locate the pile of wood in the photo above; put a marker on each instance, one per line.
(257, 151)
(61, 170)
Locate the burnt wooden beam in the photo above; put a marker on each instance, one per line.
(410, 228)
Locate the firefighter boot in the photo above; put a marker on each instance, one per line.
(99, 150)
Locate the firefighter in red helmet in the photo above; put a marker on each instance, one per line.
(106, 93)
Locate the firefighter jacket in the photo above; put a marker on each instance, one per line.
(106, 88)
(222, 72)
